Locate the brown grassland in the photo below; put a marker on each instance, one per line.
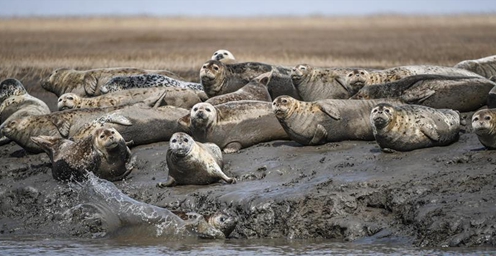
(31, 48)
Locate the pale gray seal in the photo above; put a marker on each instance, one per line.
(256, 89)
(224, 56)
(88, 82)
(458, 93)
(322, 121)
(233, 125)
(194, 163)
(218, 78)
(104, 153)
(409, 127)
(484, 126)
(485, 67)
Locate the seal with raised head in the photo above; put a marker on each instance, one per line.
(485, 67)
(193, 163)
(314, 83)
(149, 80)
(15, 102)
(256, 89)
(484, 126)
(219, 220)
(219, 78)
(233, 125)
(145, 124)
(458, 93)
(322, 121)
(409, 127)
(174, 96)
(88, 82)
(224, 56)
(104, 153)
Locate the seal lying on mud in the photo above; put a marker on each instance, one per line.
(485, 67)
(119, 212)
(256, 89)
(409, 127)
(458, 93)
(193, 163)
(88, 82)
(233, 125)
(224, 56)
(15, 102)
(313, 83)
(318, 122)
(147, 125)
(179, 97)
(218, 78)
(484, 125)
(104, 153)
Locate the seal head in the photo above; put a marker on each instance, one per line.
(224, 56)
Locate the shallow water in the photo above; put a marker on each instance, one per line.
(51, 246)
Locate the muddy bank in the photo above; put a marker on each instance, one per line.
(443, 196)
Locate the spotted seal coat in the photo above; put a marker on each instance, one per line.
(256, 89)
(485, 67)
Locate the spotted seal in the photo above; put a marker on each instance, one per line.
(458, 93)
(322, 121)
(233, 125)
(147, 124)
(174, 96)
(16, 102)
(485, 67)
(219, 78)
(409, 127)
(87, 83)
(193, 163)
(104, 153)
(224, 56)
(256, 89)
(484, 126)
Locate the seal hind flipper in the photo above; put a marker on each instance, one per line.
(232, 147)
(319, 135)
(185, 122)
(330, 110)
(116, 119)
(63, 125)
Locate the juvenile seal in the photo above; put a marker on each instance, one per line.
(485, 67)
(224, 56)
(218, 78)
(193, 163)
(458, 93)
(409, 127)
(256, 89)
(483, 123)
(322, 121)
(88, 82)
(313, 83)
(147, 81)
(174, 96)
(104, 153)
(15, 102)
(146, 124)
(233, 125)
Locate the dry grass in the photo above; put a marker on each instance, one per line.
(31, 48)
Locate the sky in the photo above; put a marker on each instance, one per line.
(241, 8)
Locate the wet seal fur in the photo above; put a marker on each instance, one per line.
(256, 89)
(15, 102)
(218, 78)
(233, 125)
(459, 93)
(219, 220)
(193, 163)
(484, 126)
(87, 83)
(104, 153)
(409, 127)
(322, 121)
(147, 124)
(179, 97)
(485, 67)
(224, 56)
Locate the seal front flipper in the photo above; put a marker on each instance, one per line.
(330, 110)
(171, 182)
(90, 84)
(232, 147)
(430, 131)
(4, 140)
(63, 125)
(319, 136)
(417, 97)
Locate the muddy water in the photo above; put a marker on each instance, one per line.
(48, 246)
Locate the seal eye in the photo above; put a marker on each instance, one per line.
(60, 100)
(284, 101)
(207, 109)
(225, 53)
(214, 55)
(216, 68)
(350, 74)
(102, 136)
(174, 141)
(222, 219)
(70, 98)
(475, 119)
(302, 68)
(487, 118)
(374, 111)
(204, 66)
(113, 132)
(195, 109)
(186, 140)
(387, 111)
(361, 73)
